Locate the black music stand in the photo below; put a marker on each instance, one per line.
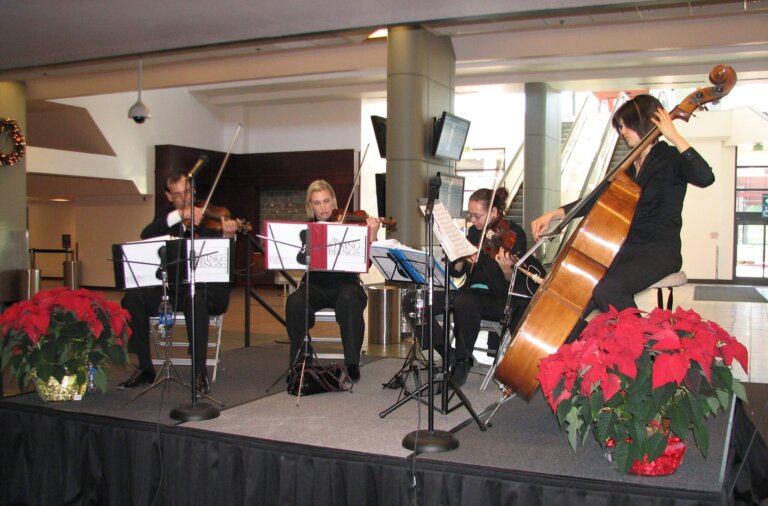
(403, 265)
(141, 264)
(194, 411)
(321, 250)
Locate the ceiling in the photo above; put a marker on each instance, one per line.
(245, 53)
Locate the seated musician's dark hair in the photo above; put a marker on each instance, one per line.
(636, 114)
(171, 176)
(483, 195)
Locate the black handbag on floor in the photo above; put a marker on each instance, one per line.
(318, 378)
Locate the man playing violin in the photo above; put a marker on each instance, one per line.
(651, 250)
(342, 291)
(483, 296)
(210, 298)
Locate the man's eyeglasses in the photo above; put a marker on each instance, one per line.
(180, 195)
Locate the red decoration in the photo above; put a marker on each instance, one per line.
(10, 128)
(666, 464)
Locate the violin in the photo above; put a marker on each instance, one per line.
(498, 237)
(359, 217)
(212, 216)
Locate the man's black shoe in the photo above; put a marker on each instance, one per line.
(201, 383)
(461, 370)
(354, 372)
(139, 377)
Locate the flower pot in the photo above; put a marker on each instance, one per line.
(67, 390)
(666, 464)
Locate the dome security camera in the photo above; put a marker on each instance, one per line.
(139, 112)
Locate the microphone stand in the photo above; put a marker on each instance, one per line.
(194, 411)
(430, 440)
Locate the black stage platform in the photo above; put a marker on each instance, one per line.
(333, 449)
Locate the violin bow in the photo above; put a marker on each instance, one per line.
(221, 168)
(496, 184)
(354, 184)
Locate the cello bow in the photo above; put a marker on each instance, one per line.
(560, 301)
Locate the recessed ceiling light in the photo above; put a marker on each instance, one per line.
(381, 33)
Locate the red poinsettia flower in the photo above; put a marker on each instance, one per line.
(52, 321)
(627, 355)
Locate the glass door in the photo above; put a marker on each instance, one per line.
(751, 217)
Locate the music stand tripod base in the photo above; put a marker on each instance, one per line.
(430, 441)
(195, 412)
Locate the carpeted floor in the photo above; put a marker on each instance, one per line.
(244, 375)
(523, 437)
(727, 293)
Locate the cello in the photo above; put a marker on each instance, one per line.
(567, 290)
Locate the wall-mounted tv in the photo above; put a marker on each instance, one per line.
(450, 136)
(380, 131)
(451, 194)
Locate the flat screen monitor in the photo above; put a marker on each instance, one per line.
(380, 131)
(450, 136)
(452, 194)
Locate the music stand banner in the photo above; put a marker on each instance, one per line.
(329, 246)
(138, 264)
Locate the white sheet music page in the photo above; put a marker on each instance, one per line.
(454, 243)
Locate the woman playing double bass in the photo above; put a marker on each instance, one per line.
(662, 171)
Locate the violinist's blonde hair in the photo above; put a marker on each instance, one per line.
(317, 186)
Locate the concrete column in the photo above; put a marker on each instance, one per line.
(421, 74)
(13, 197)
(542, 152)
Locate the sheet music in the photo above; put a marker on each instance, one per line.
(454, 243)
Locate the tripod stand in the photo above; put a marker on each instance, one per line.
(168, 371)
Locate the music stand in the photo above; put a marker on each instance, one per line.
(320, 247)
(400, 264)
(144, 264)
(194, 411)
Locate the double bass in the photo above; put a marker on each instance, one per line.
(581, 264)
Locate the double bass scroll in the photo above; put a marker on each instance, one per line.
(583, 261)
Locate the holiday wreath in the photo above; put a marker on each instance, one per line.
(9, 127)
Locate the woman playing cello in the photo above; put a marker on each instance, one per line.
(662, 171)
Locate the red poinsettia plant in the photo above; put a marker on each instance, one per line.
(61, 332)
(635, 380)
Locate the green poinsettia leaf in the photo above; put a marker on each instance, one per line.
(117, 354)
(606, 420)
(694, 404)
(637, 431)
(655, 446)
(693, 378)
(596, 403)
(644, 411)
(100, 380)
(738, 389)
(574, 425)
(74, 330)
(663, 394)
(715, 403)
(625, 454)
(701, 434)
(722, 377)
(679, 422)
(641, 390)
(562, 411)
